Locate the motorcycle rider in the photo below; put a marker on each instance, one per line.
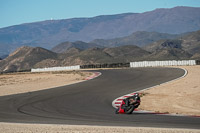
(133, 100)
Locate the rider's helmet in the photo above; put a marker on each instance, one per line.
(136, 95)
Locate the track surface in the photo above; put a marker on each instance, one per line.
(89, 103)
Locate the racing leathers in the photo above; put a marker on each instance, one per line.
(133, 100)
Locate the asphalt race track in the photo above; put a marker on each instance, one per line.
(90, 102)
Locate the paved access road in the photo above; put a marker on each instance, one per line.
(90, 102)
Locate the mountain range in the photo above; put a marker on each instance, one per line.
(81, 53)
(49, 33)
(139, 38)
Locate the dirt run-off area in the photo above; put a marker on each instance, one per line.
(15, 83)
(181, 96)
(49, 128)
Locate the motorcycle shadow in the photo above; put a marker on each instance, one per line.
(140, 113)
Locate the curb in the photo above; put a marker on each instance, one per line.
(94, 75)
(116, 103)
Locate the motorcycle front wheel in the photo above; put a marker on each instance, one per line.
(117, 111)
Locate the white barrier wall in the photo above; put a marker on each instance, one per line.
(56, 69)
(163, 63)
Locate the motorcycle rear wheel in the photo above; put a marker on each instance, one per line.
(129, 109)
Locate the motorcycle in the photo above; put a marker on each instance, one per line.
(123, 109)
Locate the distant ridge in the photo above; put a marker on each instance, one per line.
(139, 38)
(62, 47)
(47, 34)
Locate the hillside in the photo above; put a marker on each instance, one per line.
(162, 44)
(170, 54)
(69, 52)
(127, 53)
(167, 50)
(49, 33)
(139, 38)
(120, 54)
(25, 58)
(191, 42)
(188, 45)
(62, 47)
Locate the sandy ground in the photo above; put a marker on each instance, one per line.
(48, 128)
(178, 97)
(26, 82)
(157, 99)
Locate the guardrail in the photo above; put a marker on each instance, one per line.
(121, 65)
(112, 65)
(163, 63)
(56, 69)
(197, 62)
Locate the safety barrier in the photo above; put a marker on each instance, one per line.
(121, 65)
(56, 69)
(111, 65)
(163, 63)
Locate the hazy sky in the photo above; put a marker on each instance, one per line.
(14, 12)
